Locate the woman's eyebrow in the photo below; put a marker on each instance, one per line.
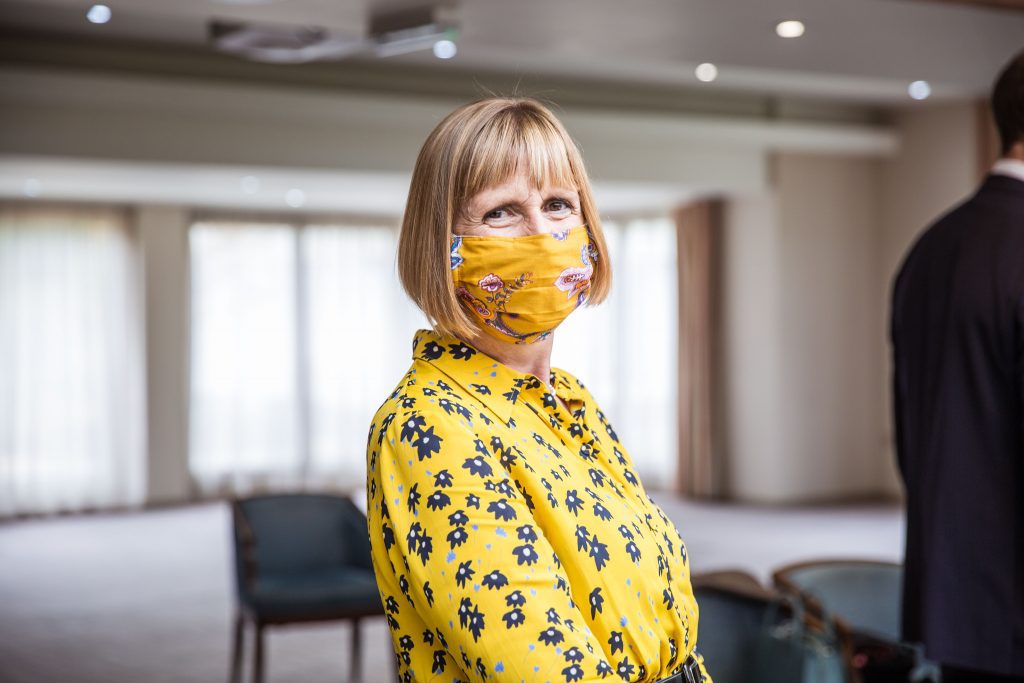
(562, 191)
(500, 200)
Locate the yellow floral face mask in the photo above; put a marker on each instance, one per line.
(521, 288)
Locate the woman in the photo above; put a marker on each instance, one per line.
(511, 538)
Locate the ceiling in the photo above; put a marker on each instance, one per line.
(852, 67)
(856, 51)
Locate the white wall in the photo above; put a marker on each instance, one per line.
(806, 274)
(163, 235)
(801, 314)
(751, 417)
(829, 229)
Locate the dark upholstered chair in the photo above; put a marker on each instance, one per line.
(733, 580)
(300, 558)
(732, 613)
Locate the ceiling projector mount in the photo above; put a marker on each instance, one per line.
(390, 34)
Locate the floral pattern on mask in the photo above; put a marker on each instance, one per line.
(491, 283)
(488, 272)
(456, 257)
(479, 306)
(500, 293)
(576, 281)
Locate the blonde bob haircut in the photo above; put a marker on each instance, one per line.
(476, 147)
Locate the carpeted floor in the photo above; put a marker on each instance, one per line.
(147, 597)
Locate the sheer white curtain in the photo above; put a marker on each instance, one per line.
(361, 325)
(244, 411)
(72, 404)
(625, 350)
(299, 332)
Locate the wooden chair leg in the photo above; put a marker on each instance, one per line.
(236, 649)
(257, 665)
(356, 668)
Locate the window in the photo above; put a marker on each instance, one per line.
(72, 405)
(360, 325)
(299, 332)
(244, 412)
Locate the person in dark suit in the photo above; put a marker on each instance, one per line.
(958, 350)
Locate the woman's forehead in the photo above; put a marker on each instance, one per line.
(538, 170)
(543, 164)
(520, 186)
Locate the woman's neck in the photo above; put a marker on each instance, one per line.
(533, 359)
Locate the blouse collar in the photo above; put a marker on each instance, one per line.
(496, 385)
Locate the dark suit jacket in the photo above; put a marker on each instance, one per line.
(958, 347)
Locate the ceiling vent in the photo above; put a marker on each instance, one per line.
(390, 34)
(282, 44)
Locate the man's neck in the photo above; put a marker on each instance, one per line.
(1009, 166)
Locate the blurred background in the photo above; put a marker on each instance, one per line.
(199, 204)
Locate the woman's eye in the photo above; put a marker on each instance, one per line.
(496, 214)
(559, 206)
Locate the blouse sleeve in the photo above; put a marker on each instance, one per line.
(484, 591)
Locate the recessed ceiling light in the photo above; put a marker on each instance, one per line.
(445, 49)
(250, 184)
(707, 72)
(98, 14)
(919, 90)
(32, 187)
(790, 29)
(295, 198)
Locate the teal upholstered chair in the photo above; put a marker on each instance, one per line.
(740, 622)
(300, 558)
(864, 597)
(864, 594)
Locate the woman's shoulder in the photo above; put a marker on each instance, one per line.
(426, 401)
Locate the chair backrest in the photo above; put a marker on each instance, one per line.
(292, 534)
(864, 594)
(733, 580)
(730, 623)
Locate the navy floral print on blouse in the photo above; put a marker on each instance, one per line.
(511, 539)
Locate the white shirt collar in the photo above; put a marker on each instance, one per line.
(1011, 167)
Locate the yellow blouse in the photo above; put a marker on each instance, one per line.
(512, 541)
